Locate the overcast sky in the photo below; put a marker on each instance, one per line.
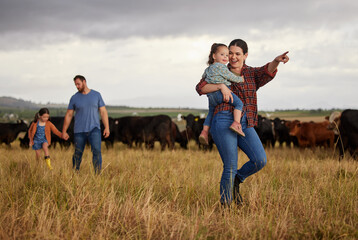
(153, 53)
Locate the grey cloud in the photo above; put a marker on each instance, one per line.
(326, 63)
(37, 20)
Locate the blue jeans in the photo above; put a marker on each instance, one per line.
(216, 98)
(94, 138)
(227, 142)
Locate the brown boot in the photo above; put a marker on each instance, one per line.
(236, 127)
(236, 194)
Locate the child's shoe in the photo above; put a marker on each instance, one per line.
(236, 127)
(204, 138)
(48, 162)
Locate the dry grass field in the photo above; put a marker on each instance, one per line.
(144, 194)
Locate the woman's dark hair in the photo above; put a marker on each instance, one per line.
(80, 77)
(41, 112)
(213, 50)
(239, 43)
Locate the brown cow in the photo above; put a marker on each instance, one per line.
(311, 134)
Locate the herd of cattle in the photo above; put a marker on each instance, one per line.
(340, 128)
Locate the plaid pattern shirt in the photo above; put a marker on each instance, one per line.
(254, 78)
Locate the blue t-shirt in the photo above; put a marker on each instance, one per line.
(86, 107)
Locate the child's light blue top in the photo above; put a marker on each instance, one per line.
(219, 73)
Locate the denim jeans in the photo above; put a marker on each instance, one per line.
(227, 142)
(94, 138)
(216, 98)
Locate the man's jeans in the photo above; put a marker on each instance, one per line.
(94, 138)
(227, 142)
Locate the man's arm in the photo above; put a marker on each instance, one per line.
(104, 117)
(66, 123)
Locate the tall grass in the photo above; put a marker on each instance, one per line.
(144, 194)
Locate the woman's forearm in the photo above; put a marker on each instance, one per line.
(273, 66)
(209, 88)
(226, 92)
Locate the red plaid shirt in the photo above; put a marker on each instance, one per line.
(255, 77)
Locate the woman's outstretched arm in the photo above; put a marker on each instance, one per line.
(274, 64)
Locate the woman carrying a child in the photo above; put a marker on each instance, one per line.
(227, 140)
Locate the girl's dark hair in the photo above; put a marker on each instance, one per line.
(41, 112)
(213, 50)
(239, 43)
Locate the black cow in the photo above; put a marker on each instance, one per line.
(179, 137)
(25, 141)
(348, 132)
(194, 126)
(127, 130)
(109, 141)
(282, 133)
(10, 131)
(58, 122)
(145, 129)
(158, 128)
(265, 131)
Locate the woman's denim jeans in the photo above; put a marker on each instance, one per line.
(227, 142)
(216, 98)
(94, 138)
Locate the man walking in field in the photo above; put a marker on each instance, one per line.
(86, 103)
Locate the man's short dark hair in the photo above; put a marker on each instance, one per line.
(80, 77)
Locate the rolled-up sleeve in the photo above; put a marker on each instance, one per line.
(200, 85)
(263, 76)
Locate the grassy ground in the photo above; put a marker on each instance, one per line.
(174, 195)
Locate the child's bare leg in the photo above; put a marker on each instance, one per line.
(38, 154)
(45, 148)
(236, 125)
(237, 115)
(47, 157)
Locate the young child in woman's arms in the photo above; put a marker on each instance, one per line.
(218, 72)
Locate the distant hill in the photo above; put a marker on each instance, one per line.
(12, 109)
(11, 102)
